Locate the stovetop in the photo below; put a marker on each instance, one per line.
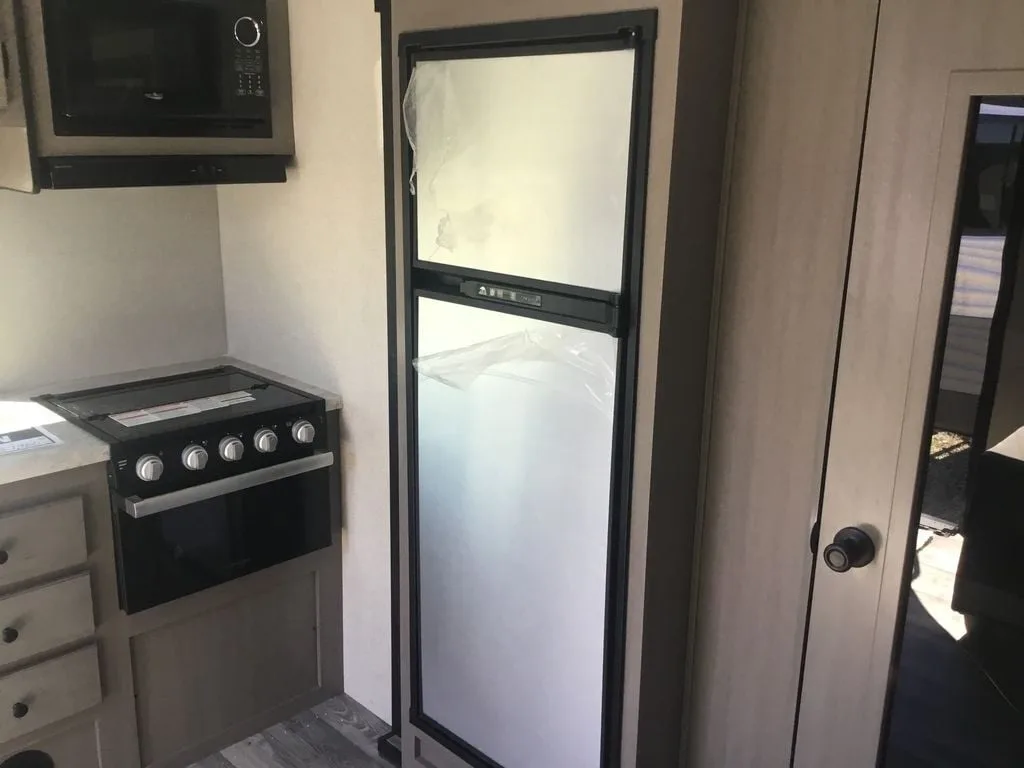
(159, 406)
(182, 431)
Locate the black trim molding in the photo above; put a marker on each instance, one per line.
(161, 171)
(390, 745)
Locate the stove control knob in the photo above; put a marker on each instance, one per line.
(231, 449)
(149, 468)
(265, 441)
(194, 458)
(303, 432)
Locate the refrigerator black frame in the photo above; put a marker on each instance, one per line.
(636, 30)
(389, 746)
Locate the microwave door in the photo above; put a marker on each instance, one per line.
(135, 62)
(170, 68)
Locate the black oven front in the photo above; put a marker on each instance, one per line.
(187, 541)
(192, 530)
(182, 68)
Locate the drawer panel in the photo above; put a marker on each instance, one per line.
(42, 540)
(49, 692)
(45, 618)
(75, 748)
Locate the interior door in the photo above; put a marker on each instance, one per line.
(16, 159)
(914, 651)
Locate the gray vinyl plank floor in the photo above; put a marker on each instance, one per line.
(336, 734)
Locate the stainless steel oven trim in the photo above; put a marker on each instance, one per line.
(139, 508)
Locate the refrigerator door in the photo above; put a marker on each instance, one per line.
(514, 454)
(522, 164)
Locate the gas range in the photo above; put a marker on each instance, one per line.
(183, 431)
(213, 475)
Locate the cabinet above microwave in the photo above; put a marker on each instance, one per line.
(145, 92)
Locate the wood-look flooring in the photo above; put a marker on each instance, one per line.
(336, 734)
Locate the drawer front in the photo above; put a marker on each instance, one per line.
(45, 618)
(41, 540)
(75, 748)
(48, 693)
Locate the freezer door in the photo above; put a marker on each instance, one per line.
(514, 454)
(521, 164)
(16, 163)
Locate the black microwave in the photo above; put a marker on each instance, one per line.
(159, 67)
(160, 79)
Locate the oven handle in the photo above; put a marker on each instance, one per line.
(139, 508)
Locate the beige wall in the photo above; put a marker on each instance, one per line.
(304, 267)
(103, 281)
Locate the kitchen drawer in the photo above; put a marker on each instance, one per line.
(45, 618)
(74, 748)
(42, 540)
(49, 692)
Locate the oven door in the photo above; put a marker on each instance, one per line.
(159, 67)
(182, 542)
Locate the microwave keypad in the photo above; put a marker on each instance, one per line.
(250, 85)
(250, 73)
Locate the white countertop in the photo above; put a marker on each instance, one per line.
(80, 449)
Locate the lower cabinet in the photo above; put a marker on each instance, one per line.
(83, 685)
(204, 676)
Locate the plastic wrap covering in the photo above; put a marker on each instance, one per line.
(594, 377)
(521, 164)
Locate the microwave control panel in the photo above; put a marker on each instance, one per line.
(250, 58)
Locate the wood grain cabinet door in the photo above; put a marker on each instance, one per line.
(199, 678)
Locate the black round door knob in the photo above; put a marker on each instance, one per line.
(851, 548)
(4, 557)
(9, 635)
(19, 710)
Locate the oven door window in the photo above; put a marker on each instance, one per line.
(184, 550)
(154, 68)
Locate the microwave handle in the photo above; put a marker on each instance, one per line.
(139, 508)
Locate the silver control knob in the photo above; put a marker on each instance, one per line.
(231, 449)
(265, 441)
(248, 32)
(194, 458)
(303, 432)
(149, 468)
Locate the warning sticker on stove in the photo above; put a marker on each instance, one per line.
(178, 410)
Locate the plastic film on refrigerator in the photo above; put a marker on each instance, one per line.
(521, 164)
